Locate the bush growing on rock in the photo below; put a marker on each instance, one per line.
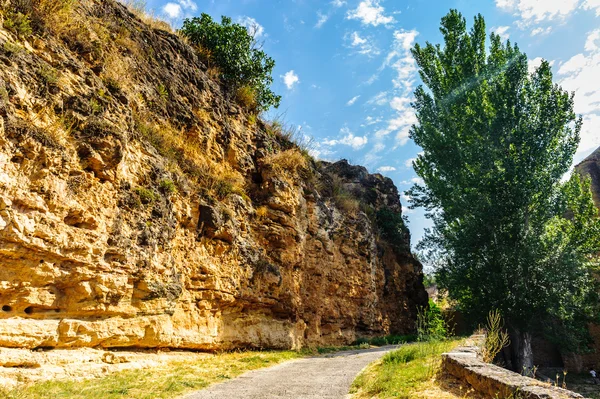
(245, 68)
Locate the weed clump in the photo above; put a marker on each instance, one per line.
(146, 196)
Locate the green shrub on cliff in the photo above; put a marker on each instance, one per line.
(244, 67)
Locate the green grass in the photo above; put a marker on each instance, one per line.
(402, 373)
(169, 381)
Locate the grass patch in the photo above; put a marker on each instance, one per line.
(403, 373)
(171, 380)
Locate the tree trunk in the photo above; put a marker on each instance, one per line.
(522, 352)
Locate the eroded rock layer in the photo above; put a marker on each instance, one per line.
(140, 206)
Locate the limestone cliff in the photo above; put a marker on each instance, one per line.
(140, 206)
(591, 167)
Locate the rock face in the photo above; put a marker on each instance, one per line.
(141, 207)
(589, 167)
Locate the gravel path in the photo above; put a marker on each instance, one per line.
(322, 377)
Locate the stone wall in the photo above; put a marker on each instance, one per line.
(496, 382)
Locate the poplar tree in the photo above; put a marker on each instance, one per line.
(508, 233)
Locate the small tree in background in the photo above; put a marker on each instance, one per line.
(507, 233)
(243, 67)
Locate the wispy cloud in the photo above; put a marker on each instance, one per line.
(352, 100)
(384, 169)
(290, 79)
(253, 27)
(501, 31)
(592, 5)
(532, 12)
(380, 98)
(370, 12)
(580, 74)
(179, 8)
(362, 45)
(349, 139)
(321, 19)
(541, 31)
(534, 64)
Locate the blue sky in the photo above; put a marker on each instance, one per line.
(346, 75)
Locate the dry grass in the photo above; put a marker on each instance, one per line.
(344, 200)
(287, 163)
(169, 381)
(261, 212)
(55, 128)
(139, 8)
(246, 97)
(187, 153)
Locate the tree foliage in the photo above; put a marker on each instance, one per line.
(508, 234)
(235, 52)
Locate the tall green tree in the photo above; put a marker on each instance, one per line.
(508, 234)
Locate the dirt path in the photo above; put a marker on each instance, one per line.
(323, 377)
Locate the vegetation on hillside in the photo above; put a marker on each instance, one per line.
(242, 65)
(508, 234)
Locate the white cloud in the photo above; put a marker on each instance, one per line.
(532, 12)
(541, 31)
(362, 45)
(408, 163)
(401, 123)
(290, 79)
(349, 139)
(173, 10)
(188, 5)
(414, 180)
(322, 18)
(369, 120)
(253, 27)
(501, 31)
(352, 100)
(400, 59)
(379, 99)
(370, 12)
(593, 40)
(505, 4)
(535, 63)
(338, 3)
(178, 9)
(385, 169)
(580, 74)
(592, 5)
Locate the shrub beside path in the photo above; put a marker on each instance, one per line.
(319, 377)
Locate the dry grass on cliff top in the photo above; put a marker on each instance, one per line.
(171, 380)
(410, 372)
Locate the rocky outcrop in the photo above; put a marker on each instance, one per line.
(591, 167)
(141, 207)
